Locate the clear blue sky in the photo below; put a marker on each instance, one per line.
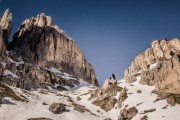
(110, 32)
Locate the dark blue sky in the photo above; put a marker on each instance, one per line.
(110, 32)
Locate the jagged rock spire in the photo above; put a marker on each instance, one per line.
(5, 30)
(6, 24)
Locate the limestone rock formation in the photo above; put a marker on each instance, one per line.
(165, 76)
(161, 50)
(39, 41)
(6, 24)
(5, 30)
(159, 66)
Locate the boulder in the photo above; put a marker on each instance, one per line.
(57, 108)
(127, 114)
(107, 103)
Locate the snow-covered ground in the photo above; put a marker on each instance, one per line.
(17, 110)
(146, 100)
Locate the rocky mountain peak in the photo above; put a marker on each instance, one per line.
(6, 24)
(39, 41)
(5, 30)
(41, 20)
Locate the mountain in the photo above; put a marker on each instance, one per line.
(45, 76)
(41, 55)
(48, 46)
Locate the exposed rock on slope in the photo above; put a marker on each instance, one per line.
(6, 24)
(57, 108)
(127, 114)
(104, 96)
(5, 30)
(39, 41)
(165, 76)
(161, 50)
(159, 66)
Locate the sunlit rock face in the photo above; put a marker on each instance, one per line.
(6, 25)
(39, 41)
(161, 50)
(5, 30)
(159, 66)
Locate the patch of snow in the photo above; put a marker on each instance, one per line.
(17, 63)
(62, 74)
(54, 70)
(4, 64)
(24, 110)
(7, 72)
(152, 66)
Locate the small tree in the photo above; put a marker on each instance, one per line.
(113, 76)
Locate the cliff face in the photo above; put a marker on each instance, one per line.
(39, 41)
(159, 66)
(5, 30)
(6, 25)
(161, 50)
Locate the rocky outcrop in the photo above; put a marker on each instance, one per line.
(127, 114)
(6, 24)
(5, 30)
(159, 66)
(165, 76)
(39, 41)
(161, 50)
(104, 96)
(57, 108)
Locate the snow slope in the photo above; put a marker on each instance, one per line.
(17, 110)
(146, 99)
